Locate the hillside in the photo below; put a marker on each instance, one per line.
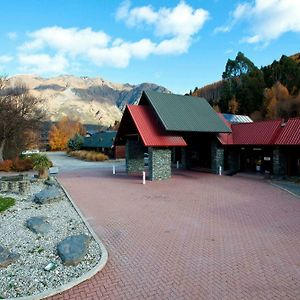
(92, 100)
(268, 92)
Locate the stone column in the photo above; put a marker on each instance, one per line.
(217, 157)
(183, 158)
(159, 163)
(233, 160)
(279, 162)
(134, 157)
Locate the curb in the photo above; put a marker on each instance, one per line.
(284, 189)
(99, 266)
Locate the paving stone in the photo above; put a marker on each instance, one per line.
(195, 236)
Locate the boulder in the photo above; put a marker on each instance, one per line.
(38, 225)
(73, 249)
(50, 194)
(7, 257)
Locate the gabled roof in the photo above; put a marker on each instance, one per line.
(151, 132)
(290, 134)
(185, 113)
(103, 139)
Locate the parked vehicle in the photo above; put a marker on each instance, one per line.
(30, 152)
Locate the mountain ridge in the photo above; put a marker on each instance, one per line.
(94, 100)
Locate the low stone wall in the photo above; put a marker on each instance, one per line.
(14, 184)
(134, 157)
(159, 163)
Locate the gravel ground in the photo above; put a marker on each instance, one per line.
(27, 275)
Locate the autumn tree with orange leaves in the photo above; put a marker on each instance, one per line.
(65, 129)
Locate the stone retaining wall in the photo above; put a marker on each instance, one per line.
(14, 186)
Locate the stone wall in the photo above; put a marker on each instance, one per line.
(159, 163)
(183, 158)
(233, 160)
(134, 157)
(217, 157)
(279, 162)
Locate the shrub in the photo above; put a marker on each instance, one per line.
(76, 142)
(21, 165)
(41, 163)
(6, 203)
(89, 155)
(6, 165)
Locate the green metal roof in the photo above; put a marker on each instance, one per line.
(104, 139)
(185, 113)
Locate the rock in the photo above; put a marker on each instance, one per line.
(50, 194)
(73, 249)
(38, 225)
(6, 257)
(50, 182)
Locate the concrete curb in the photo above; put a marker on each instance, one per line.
(100, 265)
(284, 189)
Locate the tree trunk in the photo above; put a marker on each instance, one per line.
(2, 144)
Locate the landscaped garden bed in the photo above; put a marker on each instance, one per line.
(44, 243)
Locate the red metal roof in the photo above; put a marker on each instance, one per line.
(256, 133)
(151, 132)
(290, 134)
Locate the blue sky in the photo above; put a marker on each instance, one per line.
(177, 44)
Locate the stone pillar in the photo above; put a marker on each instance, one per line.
(134, 157)
(217, 157)
(159, 163)
(233, 160)
(279, 162)
(183, 158)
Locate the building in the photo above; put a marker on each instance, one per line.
(171, 129)
(186, 131)
(102, 141)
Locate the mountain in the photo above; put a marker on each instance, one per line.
(296, 57)
(92, 100)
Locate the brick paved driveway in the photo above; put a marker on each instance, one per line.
(196, 236)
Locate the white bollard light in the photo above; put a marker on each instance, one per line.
(114, 169)
(220, 170)
(144, 177)
(177, 164)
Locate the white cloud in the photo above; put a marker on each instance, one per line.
(4, 59)
(181, 20)
(43, 63)
(267, 19)
(173, 32)
(73, 41)
(12, 35)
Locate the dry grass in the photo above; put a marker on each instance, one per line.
(88, 155)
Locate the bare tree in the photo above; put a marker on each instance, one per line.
(19, 112)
